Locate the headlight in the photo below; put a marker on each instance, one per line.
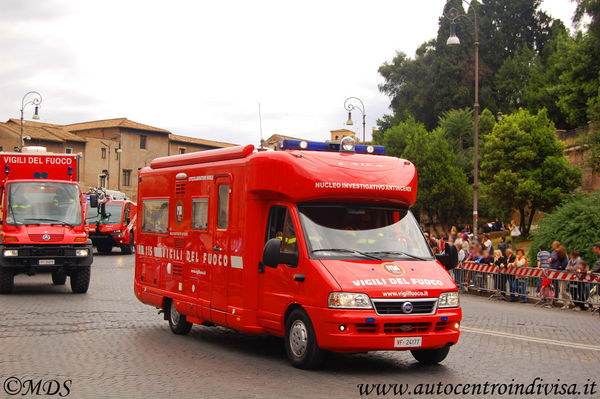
(448, 300)
(11, 252)
(82, 252)
(349, 300)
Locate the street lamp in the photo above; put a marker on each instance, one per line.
(453, 40)
(348, 106)
(36, 100)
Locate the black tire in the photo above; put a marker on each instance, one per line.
(104, 248)
(128, 249)
(59, 278)
(80, 280)
(430, 356)
(301, 342)
(7, 281)
(177, 321)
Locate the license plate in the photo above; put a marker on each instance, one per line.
(46, 261)
(407, 342)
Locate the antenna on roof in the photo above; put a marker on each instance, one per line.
(260, 125)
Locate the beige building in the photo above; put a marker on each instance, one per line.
(336, 136)
(113, 150)
(574, 151)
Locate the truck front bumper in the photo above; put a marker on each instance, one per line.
(33, 259)
(342, 330)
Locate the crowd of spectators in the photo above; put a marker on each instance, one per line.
(573, 294)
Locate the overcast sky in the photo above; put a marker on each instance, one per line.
(200, 68)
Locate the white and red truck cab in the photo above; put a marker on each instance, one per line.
(42, 227)
(313, 244)
(112, 223)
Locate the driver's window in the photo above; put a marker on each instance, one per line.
(280, 225)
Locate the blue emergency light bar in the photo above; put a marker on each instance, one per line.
(288, 144)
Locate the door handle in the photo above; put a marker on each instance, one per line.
(217, 249)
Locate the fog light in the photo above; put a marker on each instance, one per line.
(456, 325)
(342, 328)
(11, 252)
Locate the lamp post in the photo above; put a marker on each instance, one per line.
(348, 106)
(453, 40)
(36, 100)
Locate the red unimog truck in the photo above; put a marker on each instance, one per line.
(316, 244)
(43, 223)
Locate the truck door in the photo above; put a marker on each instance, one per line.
(277, 288)
(219, 253)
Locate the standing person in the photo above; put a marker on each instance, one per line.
(500, 261)
(502, 245)
(520, 284)
(510, 278)
(553, 255)
(577, 287)
(574, 285)
(514, 232)
(561, 264)
(487, 244)
(542, 262)
(596, 268)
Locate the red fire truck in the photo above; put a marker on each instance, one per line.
(43, 225)
(112, 224)
(315, 244)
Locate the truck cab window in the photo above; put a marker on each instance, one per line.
(223, 214)
(280, 225)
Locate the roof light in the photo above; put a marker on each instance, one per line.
(288, 144)
(347, 144)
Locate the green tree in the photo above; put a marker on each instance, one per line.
(395, 139)
(523, 166)
(576, 224)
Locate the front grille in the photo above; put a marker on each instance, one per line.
(405, 328)
(52, 237)
(366, 328)
(46, 251)
(395, 307)
(441, 325)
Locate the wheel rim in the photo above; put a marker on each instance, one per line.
(298, 338)
(174, 314)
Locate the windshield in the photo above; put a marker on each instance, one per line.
(43, 203)
(362, 232)
(112, 215)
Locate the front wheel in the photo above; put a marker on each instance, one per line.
(7, 281)
(301, 342)
(177, 321)
(430, 356)
(80, 280)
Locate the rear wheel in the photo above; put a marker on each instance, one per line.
(177, 321)
(430, 356)
(301, 342)
(7, 281)
(80, 280)
(127, 249)
(59, 278)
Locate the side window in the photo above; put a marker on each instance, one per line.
(155, 216)
(223, 214)
(280, 225)
(199, 213)
(126, 213)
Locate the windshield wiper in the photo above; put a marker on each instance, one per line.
(53, 222)
(353, 251)
(397, 253)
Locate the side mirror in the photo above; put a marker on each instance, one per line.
(93, 201)
(103, 213)
(272, 255)
(448, 259)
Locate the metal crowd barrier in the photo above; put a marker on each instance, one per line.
(545, 286)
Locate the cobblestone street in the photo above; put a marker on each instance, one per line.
(110, 345)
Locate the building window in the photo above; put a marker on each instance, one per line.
(67, 150)
(117, 154)
(126, 177)
(103, 152)
(1, 149)
(143, 142)
(181, 150)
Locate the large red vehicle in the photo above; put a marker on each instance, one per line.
(112, 224)
(310, 244)
(43, 225)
